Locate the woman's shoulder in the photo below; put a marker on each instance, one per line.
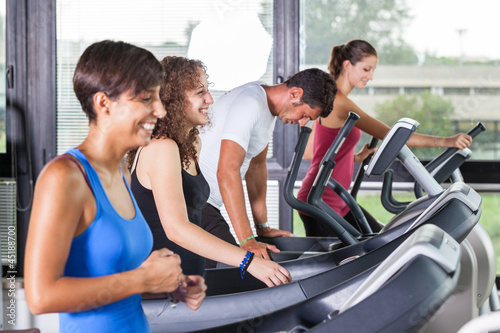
(163, 143)
(342, 101)
(62, 166)
(159, 148)
(342, 105)
(65, 173)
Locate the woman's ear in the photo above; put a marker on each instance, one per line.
(101, 103)
(346, 65)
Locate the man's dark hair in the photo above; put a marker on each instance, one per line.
(319, 89)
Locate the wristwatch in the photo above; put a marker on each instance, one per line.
(262, 225)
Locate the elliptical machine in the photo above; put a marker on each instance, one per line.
(479, 261)
(478, 258)
(397, 139)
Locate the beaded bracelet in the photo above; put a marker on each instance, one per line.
(245, 263)
(245, 240)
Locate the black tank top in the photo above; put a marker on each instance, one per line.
(196, 192)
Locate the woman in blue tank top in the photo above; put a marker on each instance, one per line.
(88, 251)
(169, 186)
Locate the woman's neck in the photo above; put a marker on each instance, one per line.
(344, 85)
(99, 150)
(187, 130)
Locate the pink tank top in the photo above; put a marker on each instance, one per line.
(343, 170)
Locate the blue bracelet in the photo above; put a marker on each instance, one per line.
(246, 262)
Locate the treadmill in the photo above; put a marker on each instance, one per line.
(456, 214)
(398, 294)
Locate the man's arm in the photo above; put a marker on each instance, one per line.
(256, 179)
(231, 159)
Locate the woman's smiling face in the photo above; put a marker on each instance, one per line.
(199, 100)
(362, 72)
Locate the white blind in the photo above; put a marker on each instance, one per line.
(165, 28)
(273, 209)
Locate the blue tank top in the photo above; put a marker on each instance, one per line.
(111, 244)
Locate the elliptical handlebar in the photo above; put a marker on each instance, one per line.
(341, 136)
(450, 151)
(362, 168)
(443, 158)
(323, 178)
(345, 237)
(357, 213)
(388, 201)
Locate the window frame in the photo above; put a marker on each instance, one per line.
(31, 49)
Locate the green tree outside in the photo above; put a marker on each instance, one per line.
(333, 22)
(326, 23)
(433, 112)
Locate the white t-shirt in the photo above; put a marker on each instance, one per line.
(243, 116)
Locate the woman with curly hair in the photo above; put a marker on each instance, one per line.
(168, 184)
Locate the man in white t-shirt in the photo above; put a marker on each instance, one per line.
(235, 148)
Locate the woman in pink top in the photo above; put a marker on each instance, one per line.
(352, 65)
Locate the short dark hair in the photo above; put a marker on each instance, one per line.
(319, 89)
(114, 68)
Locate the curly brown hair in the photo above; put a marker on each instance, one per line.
(180, 75)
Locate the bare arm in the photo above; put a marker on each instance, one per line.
(341, 108)
(460, 141)
(161, 162)
(374, 127)
(256, 180)
(231, 188)
(63, 207)
(363, 154)
(309, 151)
